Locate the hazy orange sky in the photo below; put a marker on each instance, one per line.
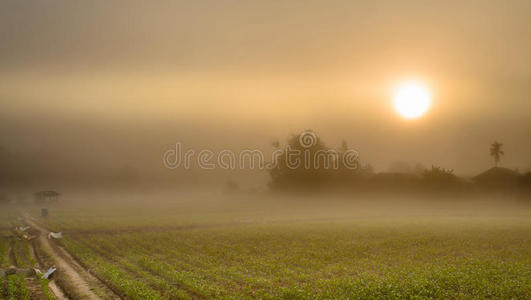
(127, 78)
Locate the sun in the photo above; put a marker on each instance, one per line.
(411, 99)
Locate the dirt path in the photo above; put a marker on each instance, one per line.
(54, 288)
(79, 280)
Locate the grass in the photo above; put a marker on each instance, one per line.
(166, 252)
(6, 218)
(45, 288)
(3, 287)
(315, 260)
(14, 286)
(3, 250)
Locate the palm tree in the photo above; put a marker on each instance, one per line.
(496, 152)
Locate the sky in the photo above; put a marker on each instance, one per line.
(94, 84)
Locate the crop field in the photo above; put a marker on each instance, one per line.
(16, 252)
(13, 252)
(172, 253)
(301, 149)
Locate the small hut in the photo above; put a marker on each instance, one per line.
(46, 196)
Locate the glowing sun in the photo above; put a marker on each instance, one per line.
(411, 99)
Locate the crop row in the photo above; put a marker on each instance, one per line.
(15, 251)
(305, 261)
(13, 287)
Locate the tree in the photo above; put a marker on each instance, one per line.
(496, 152)
(438, 179)
(306, 162)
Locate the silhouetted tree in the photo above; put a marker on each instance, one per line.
(437, 173)
(496, 152)
(525, 182)
(306, 163)
(300, 164)
(498, 179)
(438, 179)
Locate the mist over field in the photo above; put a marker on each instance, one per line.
(206, 244)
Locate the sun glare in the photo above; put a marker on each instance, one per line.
(411, 99)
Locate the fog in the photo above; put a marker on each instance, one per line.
(97, 209)
(299, 149)
(92, 91)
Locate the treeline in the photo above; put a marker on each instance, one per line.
(319, 167)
